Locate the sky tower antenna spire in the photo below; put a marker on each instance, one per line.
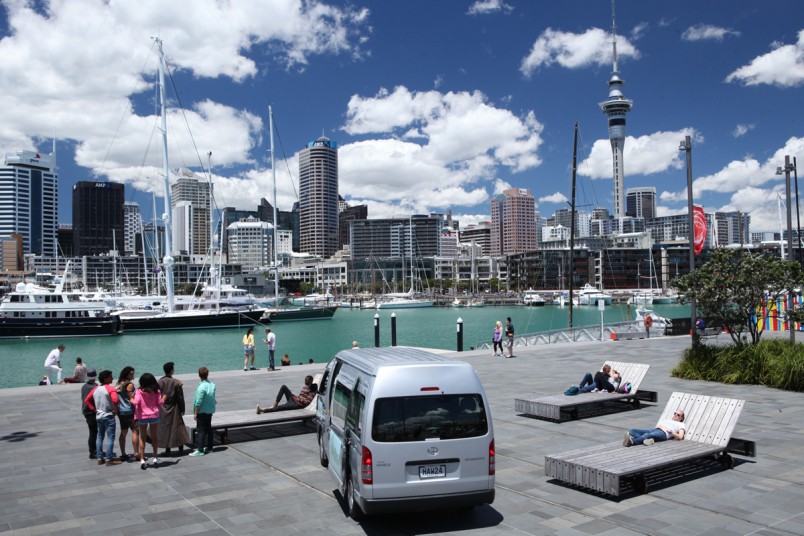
(616, 107)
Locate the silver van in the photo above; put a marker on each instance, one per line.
(402, 430)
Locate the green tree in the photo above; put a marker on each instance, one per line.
(733, 284)
(494, 284)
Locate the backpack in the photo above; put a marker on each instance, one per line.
(572, 391)
(624, 388)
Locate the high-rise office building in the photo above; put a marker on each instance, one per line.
(198, 194)
(132, 224)
(641, 202)
(318, 198)
(181, 228)
(616, 107)
(98, 218)
(513, 222)
(29, 201)
(347, 214)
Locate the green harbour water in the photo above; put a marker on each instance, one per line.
(221, 349)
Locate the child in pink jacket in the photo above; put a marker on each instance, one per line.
(146, 402)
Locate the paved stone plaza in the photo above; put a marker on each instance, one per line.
(269, 480)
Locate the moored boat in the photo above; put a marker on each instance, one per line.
(300, 313)
(32, 311)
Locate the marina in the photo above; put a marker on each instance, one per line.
(221, 349)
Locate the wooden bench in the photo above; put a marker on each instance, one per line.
(562, 407)
(614, 469)
(224, 421)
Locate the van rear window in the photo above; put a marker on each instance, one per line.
(416, 418)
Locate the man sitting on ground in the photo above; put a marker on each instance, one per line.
(666, 429)
(302, 400)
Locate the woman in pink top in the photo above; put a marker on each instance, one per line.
(146, 402)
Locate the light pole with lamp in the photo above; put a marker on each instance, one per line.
(788, 167)
(686, 146)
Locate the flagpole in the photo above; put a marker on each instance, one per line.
(686, 146)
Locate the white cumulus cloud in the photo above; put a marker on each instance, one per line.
(573, 51)
(484, 7)
(645, 155)
(433, 148)
(702, 32)
(783, 67)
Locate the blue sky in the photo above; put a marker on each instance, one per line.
(436, 106)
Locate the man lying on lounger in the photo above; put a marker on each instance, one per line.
(302, 400)
(666, 429)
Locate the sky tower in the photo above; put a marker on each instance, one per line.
(615, 108)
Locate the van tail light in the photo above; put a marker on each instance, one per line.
(492, 462)
(366, 469)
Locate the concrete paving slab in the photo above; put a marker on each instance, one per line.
(269, 481)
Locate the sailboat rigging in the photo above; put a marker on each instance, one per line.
(149, 320)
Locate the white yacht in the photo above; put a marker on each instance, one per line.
(589, 295)
(533, 298)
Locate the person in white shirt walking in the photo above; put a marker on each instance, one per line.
(53, 365)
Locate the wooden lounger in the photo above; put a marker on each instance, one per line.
(224, 421)
(614, 469)
(562, 407)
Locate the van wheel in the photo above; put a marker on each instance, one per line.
(353, 508)
(322, 452)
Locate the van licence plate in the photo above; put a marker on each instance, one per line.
(432, 471)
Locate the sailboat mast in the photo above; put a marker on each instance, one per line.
(273, 177)
(213, 270)
(168, 260)
(572, 220)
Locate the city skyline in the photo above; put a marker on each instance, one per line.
(423, 123)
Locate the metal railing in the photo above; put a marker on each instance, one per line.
(577, 334)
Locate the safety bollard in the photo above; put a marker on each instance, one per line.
(460, 334)
(377, 330)
(393, 329)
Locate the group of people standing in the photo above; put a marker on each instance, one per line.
(153, 411)
(497, 338)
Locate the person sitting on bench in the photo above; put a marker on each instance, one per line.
(666, 429)
(302, 400)
(604, 380)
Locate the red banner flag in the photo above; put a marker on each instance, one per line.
(699, 219)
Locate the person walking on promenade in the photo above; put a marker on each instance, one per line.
(667, 429)
(302, 400)
(496, 338)
(53, 365)
(270, 340)
(104, 398)
(203, 409)
(248, 349)
(89, 414)
(172, 432)
(147, 400)
(125, 412)
(509, 333)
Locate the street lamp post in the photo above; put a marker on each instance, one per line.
(788, 167)
(686, 146)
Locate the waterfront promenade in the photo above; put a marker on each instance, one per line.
(269, 481)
